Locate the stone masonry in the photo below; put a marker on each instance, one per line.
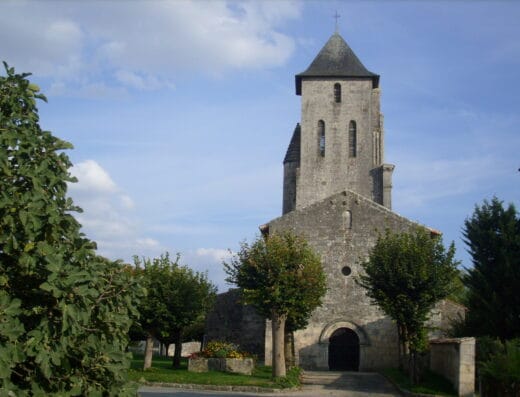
(342, 229)
(455, 360)
(230, 321)
(336, 194)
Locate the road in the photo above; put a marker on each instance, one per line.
(324, 384)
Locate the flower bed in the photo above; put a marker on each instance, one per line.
(221, 356)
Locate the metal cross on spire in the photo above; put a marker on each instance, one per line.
(337, 16)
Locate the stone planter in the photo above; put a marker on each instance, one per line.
(198, 364)
(243, 366)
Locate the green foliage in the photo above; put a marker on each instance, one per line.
(405, 275)
(431, 383)
(492, 235)
(282, 277)
(64, 311)
(486, 347)
(177, 298)
(162, 371)
(279, 274)
(292, 379)
(500, 373)
(194, 332)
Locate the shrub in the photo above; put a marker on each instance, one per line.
(500, 374)
(64, 310)
(219, 349)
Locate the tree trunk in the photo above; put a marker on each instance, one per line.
(148, 352)
(403, 349)
(290, 360)
(400, 347)
(278, 327)
(293, 353)
(414, 378)
(178, 350)
(166, 347)
(287, 349)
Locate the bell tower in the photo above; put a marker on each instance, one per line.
(339, 143)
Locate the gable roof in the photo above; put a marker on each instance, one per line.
(369, 205)
(336, 59)
(293, 151)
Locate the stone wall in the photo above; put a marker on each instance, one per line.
(455, 360)
(290, 180)
(342, 229)
(231, 321)
(322, 176)
(160, 349)
(187, 349)
(442, 317)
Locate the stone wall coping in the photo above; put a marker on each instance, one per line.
(457, 341)
(236, 388)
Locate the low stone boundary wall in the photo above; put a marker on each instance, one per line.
(243, 366)
(187, 348)
(455, 360)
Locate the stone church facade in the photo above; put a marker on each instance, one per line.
(337, 194)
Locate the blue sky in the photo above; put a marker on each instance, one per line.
(180, 112)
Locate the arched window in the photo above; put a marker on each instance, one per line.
(352, 139)
(321, 137)
(337, 92)
(347, 219)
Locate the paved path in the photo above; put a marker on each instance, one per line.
(315, 384)
(347, 384)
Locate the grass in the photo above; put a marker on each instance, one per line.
(431, 384)
(162, 371)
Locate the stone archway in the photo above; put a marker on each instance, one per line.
(359, 343)
(344, 350)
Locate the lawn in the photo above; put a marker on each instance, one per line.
(431, 384)
(162, 371)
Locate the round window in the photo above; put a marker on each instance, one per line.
(346, 271)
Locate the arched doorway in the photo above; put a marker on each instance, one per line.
(344, 350)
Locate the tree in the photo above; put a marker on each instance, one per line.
(64, 311)
(492, 235)
(405, 275)
(282, 277)
(177, 298)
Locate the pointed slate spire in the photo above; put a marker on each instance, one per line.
(293, 151)
(336, 59)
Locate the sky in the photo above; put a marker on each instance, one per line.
(180, 112)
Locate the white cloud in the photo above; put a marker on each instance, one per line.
(42, 40)
(108, 216)
(215, 254)
(78, 45)
(141, 81)
(209, 260)
(87, 90)
(419, 182)
(147, 243)
(127, 202)
(92, 177)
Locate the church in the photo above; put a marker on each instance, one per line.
(337, 193)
